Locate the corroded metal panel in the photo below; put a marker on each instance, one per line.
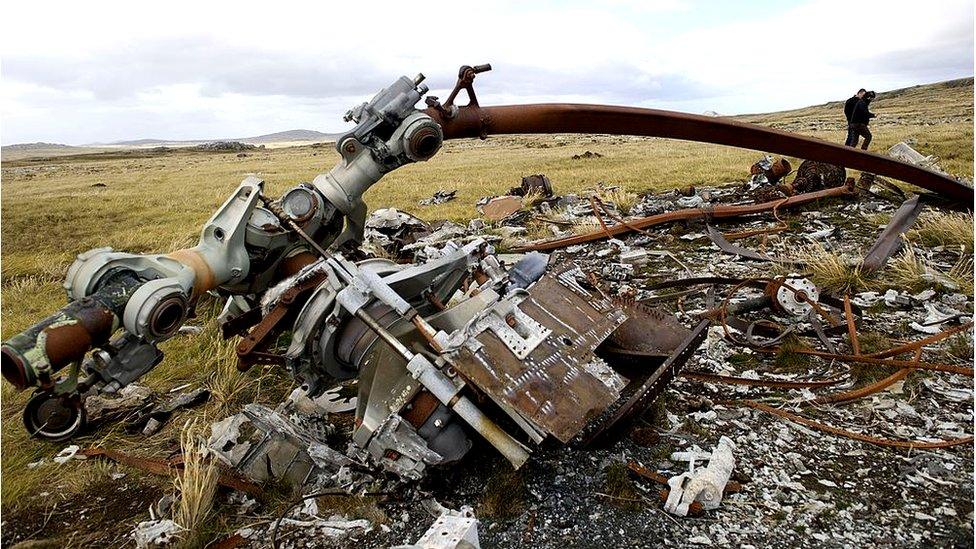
(551, 386)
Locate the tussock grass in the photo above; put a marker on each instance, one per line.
(504, 495)
(962, 275)
(960, 346)
(196, 487)
(622, 198)
(950, 229)
(788, 359)
(874, 342)
(908, 270)
(621, 489)
(586, 225)
(832, 272)
(227, 385)
(353, 507)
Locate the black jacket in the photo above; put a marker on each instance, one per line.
(849, 107)
(861, 114)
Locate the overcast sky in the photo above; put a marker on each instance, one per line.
(81, 72)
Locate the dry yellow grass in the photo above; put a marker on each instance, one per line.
(195, 487)
(945, 229)
(830, 271)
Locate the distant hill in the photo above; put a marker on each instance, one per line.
(288, 136)
(33, 150)
(141, 143)
(37, 146)
(926, 104)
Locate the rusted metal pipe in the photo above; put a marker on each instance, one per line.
(474, 121)
(32, 356)
(715, 212)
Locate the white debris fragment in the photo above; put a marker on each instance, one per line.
(893, 298)
(156, 533)
(705, 485)
(190, 329)
(691, 202)
(933, 321)
(820, 235)
(924, 295)
(866, 299)
(452, 530)
(68, 454)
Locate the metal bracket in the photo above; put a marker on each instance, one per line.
(465, 82)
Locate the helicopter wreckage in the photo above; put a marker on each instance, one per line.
(458, 346)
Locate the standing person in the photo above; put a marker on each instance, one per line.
(848, 111)
(860, 119)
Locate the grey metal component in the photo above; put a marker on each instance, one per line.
(301, 203)
(788, 299)
(445, 435)
(222, 238)
(518, 331)
(441, 386)
(264, 230)
(451, 530)
(366, 156)
(126, 359)
(398, 447)
(164, 296)
(90, 268)
(395, 101)
(264, 445)
(220, 251)
(529, 269)
(384, 390)
(234, 306)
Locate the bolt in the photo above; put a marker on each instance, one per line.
(438, 423)
(350, 148)
(235, 272)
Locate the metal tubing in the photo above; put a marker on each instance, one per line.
(716, 212)
(32, 356)
(444, 389)
(551, 118)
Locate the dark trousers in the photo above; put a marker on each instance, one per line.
(851, 136)
(856, 131)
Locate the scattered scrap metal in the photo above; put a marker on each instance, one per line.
(448, 341)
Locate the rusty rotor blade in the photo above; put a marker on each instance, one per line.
(474, 121)
(714, 212)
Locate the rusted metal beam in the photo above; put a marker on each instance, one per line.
(171, 467)
(475, 121)
(715, 212)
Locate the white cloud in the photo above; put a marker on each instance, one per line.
(81, 72)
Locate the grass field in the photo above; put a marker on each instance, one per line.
(152, 202)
